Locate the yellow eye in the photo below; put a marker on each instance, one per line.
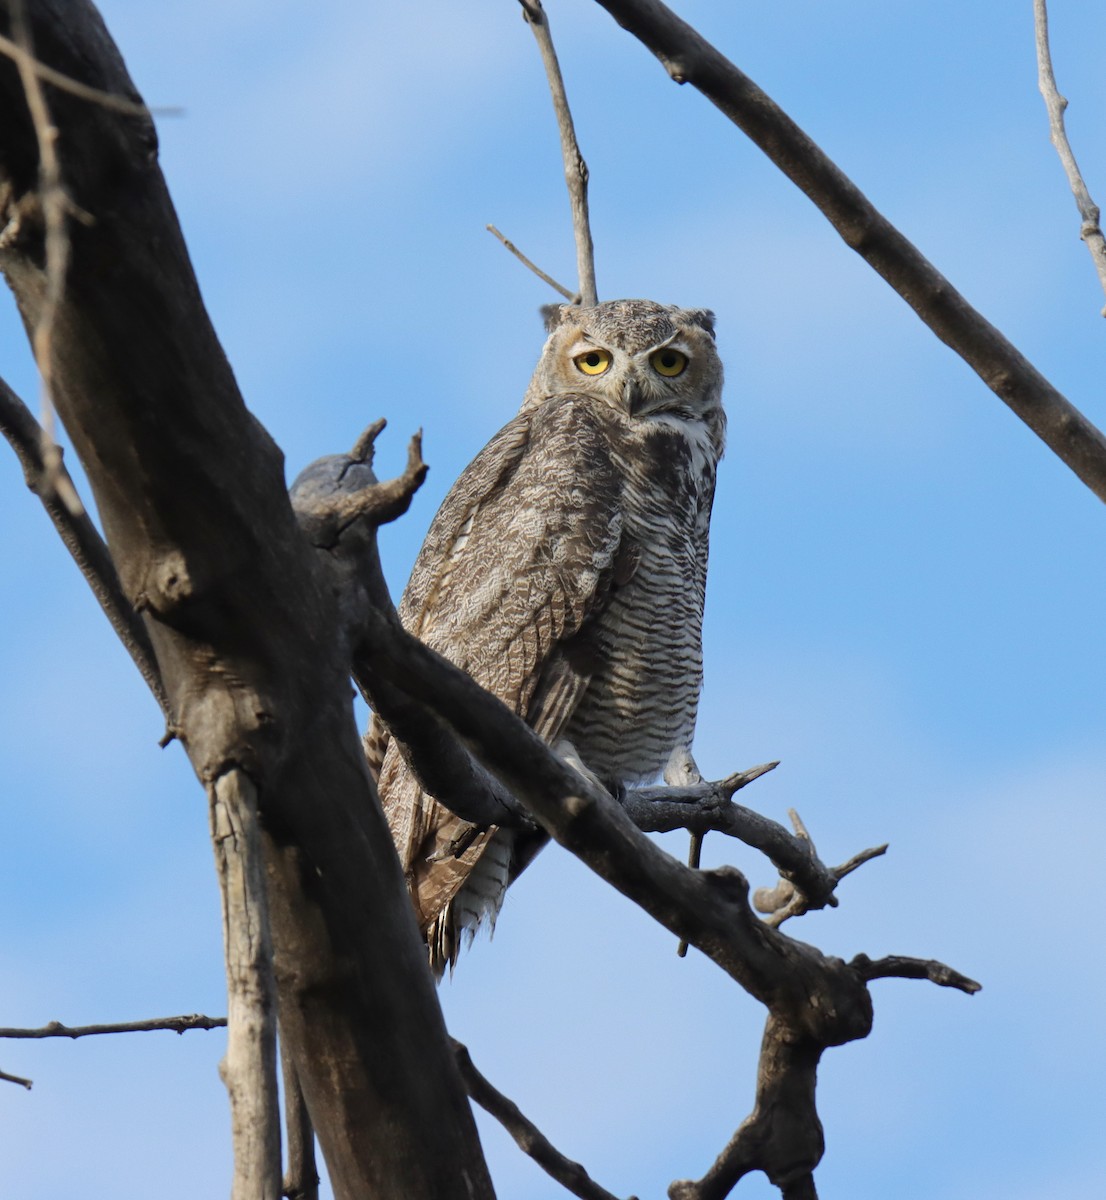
(668, 362)
(594, 362)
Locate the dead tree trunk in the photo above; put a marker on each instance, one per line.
(191, 494)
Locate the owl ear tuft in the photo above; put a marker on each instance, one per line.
(702, 317)
(553, 315)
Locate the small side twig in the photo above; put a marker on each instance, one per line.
(571, 297)
(172, 1024)
(570, 1175)
(6, 1078)
(1091, 230)
(897, 966)
(122, 104)
(576, 170)
(56, 206)
(694, 861)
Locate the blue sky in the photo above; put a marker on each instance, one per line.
(904, 600)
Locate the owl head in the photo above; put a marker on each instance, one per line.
(647, 361)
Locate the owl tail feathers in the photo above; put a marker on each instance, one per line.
(476, 905)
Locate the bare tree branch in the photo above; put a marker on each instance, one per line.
(172, 1024)
(897, 967)
(301, 1175)
(59, 497)
(689, 58)
(1091, 230)
(26, 1083)
(576, 170)
(782, 1136)
(26, 60)
(249, 1068)
(571, 297)
(814, 1001)
(531, 1141)
(55, 206)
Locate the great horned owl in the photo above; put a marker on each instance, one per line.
(565, 572)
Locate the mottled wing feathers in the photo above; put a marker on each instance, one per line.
(518, 558)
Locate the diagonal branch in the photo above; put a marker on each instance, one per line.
(576, 170)
(570, 1175)
(689, 58)
(26, 1083)
(328, 497)
(814, 1001)
(59, 497)
(571, 297)
(1091, 230)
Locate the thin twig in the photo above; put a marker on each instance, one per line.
(570, 1175)
(576, 170)
(173, 1024)
(56, 491)
(55, 207)
(1091, 230)
(571, 297)
(6, 1078)
(694, 861)
(20, 55)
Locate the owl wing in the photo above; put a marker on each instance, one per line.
(521, 556)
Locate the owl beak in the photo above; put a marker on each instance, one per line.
(633, 398)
